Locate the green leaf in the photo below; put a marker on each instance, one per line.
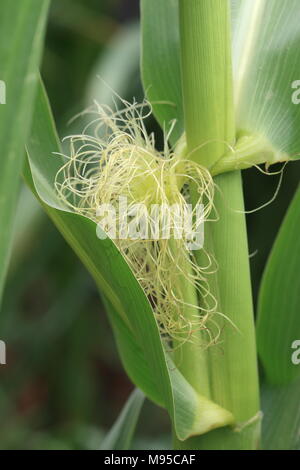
(281, 421)
(266, 58)
(132, 355)
(161, 61)
(121, 434)
(22, 24)
(278, 324)
(266, 62)
(133, 319)
(161, 69)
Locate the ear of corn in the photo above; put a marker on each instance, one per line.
(147, 362)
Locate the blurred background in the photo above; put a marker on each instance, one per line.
(63, 385)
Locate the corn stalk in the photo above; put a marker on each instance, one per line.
(231, 368)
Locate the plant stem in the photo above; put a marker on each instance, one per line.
(208, 106)
(206, 78)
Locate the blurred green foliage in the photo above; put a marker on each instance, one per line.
(63, 385)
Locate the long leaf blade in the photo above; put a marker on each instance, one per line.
(266, 57)
(121, 434)
(160, 19)
(22, 24)
(278, 325)
(281, 423)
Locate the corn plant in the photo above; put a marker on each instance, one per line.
(221, 80)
